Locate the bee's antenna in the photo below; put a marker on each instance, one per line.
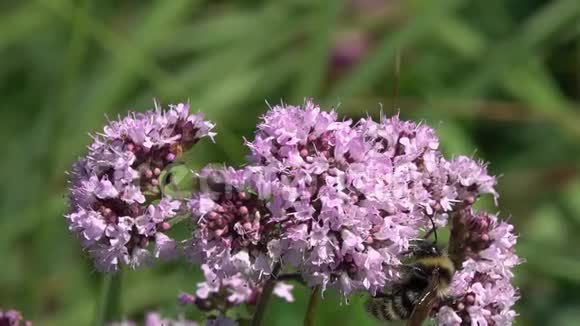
(433, 230)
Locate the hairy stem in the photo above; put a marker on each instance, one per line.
(265, 297)
(109, 306)
(291, 277)
(458, 236)
(311, 309)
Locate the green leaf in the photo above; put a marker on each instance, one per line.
(177, 181)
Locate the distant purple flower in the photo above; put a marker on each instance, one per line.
(155, 319)
(350, 48)
(481, 292)
(230, 291)
(117, 208)
(123, 323)
(186, 299)
(12, 318)
(348, 198)
(221, 321)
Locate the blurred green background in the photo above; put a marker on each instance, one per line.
(498, 79)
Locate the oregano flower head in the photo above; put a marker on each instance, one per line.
(338, 201)
(117, 206)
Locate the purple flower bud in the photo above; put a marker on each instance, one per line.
(165, 226)
(186, 298)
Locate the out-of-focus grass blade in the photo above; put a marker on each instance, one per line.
(547, 225)
(527, 80)
(224, 100)
(160, 20)
(550, 19)
(18, 25)
(109, 308)
(196, 77)
(114, 80)
(212, 32)
(548, 262)
(77, 314)
(377, 64)
(237, 60)
(462, 38)
(567, 315)
(75, 57)
(540, 27)
(316, 54)
(533, 85)
(224, 31)
(570, 200)
(454, 139)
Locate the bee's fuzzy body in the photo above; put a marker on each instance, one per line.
(399, 302)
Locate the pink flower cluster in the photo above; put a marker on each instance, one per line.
(215, 293)
(117, 207)
(482, 292)
(155, 319)
(234, 221)
(337, 201)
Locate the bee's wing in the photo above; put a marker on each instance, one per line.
(425, 301)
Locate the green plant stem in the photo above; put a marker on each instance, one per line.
(458, 236)
(311, 309)
(265, 297)
(396, 80)
(109, 306)
(291, 277)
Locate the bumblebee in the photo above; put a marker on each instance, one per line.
(425, 280)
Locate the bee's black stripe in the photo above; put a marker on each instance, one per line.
(399, 306)
(410, 299)
(375, 308)
(382, 309)
(399, 301)
(390, 312)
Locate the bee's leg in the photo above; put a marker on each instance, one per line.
(428, 234)
(291, 277)
(381, 295)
